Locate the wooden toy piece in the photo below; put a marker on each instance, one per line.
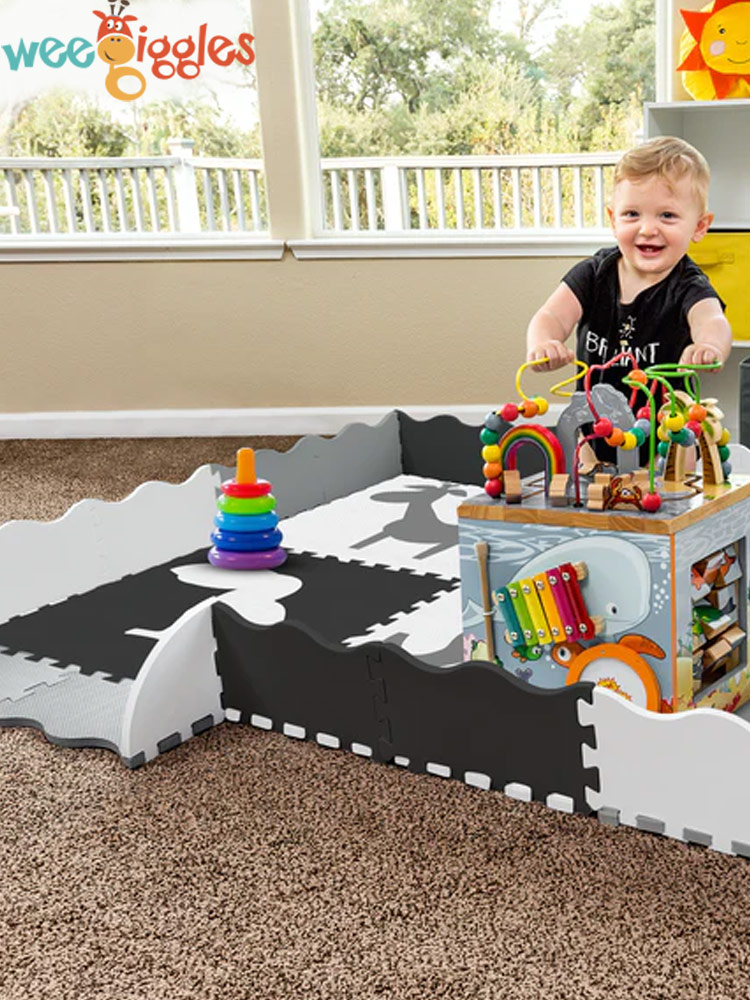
(640, 478)
(522, 613)
(581, 570)
(558, 490)
(564, 609)
(598, 623)
(715, 652)
(512, 484)
(534, 607)
(624, 493)
(554, 622)
(713, 474)
(599, 491)
(584, 626)
(482, 551)
(514, 635)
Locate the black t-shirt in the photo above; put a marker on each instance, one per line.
(654, 326)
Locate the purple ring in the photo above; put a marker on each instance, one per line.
(224, 559)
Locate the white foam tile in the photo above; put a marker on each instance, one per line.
(686, 771)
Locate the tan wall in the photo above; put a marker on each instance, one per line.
(128, 336)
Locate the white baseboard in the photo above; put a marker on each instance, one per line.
(279, 421)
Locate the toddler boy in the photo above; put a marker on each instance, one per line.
(645, 295)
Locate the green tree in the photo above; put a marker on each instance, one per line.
(374, 53)
(61, 123)
(599, 74)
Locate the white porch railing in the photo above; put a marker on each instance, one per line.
(179, 193)
(120, 196)
(467, 194)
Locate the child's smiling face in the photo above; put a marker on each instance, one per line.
(654, 222)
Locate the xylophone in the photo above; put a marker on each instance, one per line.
(547, 608)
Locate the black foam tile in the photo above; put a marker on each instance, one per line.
(89, 629)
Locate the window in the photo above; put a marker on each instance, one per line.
(444, 116)
(136, 123)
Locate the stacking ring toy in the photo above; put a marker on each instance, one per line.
(246, 535)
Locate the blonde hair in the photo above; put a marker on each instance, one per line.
(670, 159)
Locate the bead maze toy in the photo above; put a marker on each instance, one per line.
(646, 536)
(246, 535)
(365, 637)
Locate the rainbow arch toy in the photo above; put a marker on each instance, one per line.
(541, 437)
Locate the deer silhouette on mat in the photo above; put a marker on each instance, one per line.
(419, 523)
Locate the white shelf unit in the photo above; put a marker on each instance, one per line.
(721, 131)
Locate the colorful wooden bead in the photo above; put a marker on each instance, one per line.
(675, 422)
(616, 438)
(493, 487)
(491, 453)
(650, 502)
(697, 412)
(528, 408)
(509, 412)
(486, 436)
(493, 422)
(603, 427)
(629, 441)
(492, 470)
(541, 405)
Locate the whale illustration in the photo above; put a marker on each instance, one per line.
(618, 584)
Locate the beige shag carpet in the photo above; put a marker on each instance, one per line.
(248, 866)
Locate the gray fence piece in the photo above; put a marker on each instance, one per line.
(317, 470)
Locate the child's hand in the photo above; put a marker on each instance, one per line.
(700, 354)
(555, 351)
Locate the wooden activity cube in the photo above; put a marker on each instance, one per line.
(668, 593)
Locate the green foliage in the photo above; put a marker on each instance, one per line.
(63, 124)
(398, 77)
(60, 123)
(203, 123)
(371, 54)
(426, 76)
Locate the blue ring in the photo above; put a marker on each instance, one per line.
(246, 522)
(246, 541)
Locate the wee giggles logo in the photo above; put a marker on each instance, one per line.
(118, 47)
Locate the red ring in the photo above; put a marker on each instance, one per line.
(245, 491)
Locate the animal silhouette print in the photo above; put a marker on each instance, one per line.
(419, 523)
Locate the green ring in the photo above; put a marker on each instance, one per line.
(246, 505)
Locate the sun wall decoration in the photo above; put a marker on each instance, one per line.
(715, 51)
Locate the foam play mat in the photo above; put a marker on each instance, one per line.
(116, 630)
